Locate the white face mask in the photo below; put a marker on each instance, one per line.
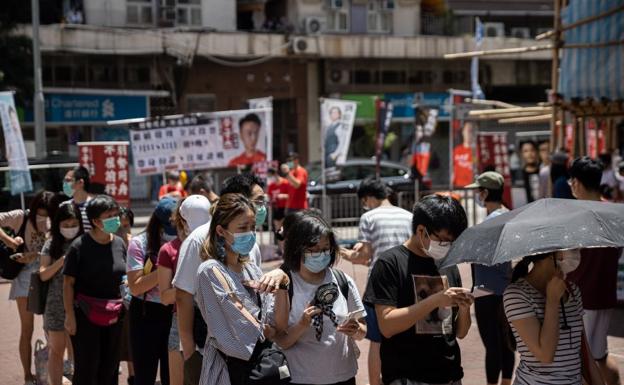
(479, 201)
(570, 262)
(70, 232)
(436, 250)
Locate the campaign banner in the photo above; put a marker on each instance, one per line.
(261, 169)
(384, 119)
(493, 156)
(202, 141)
(337, 118)
(595, 139)
(425, 128)
(107, 163)
(15, 151)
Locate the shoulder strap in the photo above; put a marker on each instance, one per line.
(343, 283)
(22, 229)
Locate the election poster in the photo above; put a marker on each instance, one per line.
(337, 118)
(426, 122)
(202, 141)
(107, 163)
(493, 156)
(15, 151)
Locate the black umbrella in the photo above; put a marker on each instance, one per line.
(543, 226)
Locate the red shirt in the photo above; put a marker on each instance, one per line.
(297, 197)
(462, 166)
(168, 255)
(167, 188)
(596, 276)
(275, 189)
(243, 159)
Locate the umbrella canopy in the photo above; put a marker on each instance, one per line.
(543, 226)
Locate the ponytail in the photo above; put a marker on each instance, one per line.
(522, 268)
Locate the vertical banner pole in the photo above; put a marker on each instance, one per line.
(22, 201)
(323, 177)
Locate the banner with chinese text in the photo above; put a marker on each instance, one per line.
(107, 163)
(493, 156)
(202, 141)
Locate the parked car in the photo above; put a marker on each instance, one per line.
(346, 178)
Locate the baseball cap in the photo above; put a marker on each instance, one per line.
(163, 212)
(489, 180)
(196, 211)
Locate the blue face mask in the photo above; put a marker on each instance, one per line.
(316, 262)
(243, 242)
(67, 189)
(111, 225)
(291, 165)
(261, 214)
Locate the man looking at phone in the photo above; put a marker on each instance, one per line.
(419, 317)
(499, 358)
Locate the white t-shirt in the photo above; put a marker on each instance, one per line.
(333, 358)
(189, 259)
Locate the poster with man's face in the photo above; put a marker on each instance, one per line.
(337, 118)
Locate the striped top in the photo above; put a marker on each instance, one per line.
(228, 330)
(521, 300)
(86, 225)
(385, 227)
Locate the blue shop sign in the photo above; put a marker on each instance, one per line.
(91, 108)
(403, 103)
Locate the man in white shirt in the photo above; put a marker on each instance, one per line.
(185, 279)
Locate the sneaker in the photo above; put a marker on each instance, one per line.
(68, 369)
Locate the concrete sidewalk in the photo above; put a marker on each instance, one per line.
(471, 347)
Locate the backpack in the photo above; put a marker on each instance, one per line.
(9, 269)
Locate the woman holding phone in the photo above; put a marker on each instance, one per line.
(325, 312)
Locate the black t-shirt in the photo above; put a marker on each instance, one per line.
(428, 351)
(97, 268)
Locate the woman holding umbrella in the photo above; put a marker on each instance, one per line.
(546, 317)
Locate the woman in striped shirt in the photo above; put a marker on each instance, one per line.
(237, 316)
(549, 343)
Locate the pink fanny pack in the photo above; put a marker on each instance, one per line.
(101, 312)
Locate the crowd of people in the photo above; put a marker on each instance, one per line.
(186, 300)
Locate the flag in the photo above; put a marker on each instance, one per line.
(477, 93)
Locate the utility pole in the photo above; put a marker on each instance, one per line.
(40, 131)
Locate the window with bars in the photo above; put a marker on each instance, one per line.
(379, 16)
(139, 12)
(169, 12)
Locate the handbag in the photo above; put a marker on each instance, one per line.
(9, 269)
(267, 364)
(37, 294)
(42, 352)
(101, 312)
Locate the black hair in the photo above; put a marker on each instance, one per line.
(372, 187)
(201, 182)
(293, 155)
(305, 232)
(558, 170)
(43, 200)
(588, 172)
(271, 171)
(529, 142)
(292, 218)
(241, 184)
(126, 212)
(437, 212)
(153, 232)
(250, 118)
(494, 195)
(81, 173)
(606, 159)
(521, 269)
(65, 211)
(99, 205)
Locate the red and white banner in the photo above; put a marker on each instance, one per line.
(261, 169)
(107, 163)
(493, 156)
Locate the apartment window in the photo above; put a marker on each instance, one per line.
(338, 15)
(189, 12)
(379, 16)
(139, 12)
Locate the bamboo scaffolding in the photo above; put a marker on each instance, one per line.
(509, 110)
(578, 23)
(527, 119)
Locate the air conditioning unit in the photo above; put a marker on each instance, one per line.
(299, 45)
(338, 76)
(315, 25)
(521, 32)
(387, 5)
(494, 29)
(335, 4)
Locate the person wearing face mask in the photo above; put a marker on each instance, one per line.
(499, 358)
(297, 176)
(76, 186)
(30, 229)
(95, 265)
(317, 331)
(238, 317)
(150, 319)
(190, 213)
(65, 228)
(126, 216)
(185, 278)
(419, 317)
(546, 317)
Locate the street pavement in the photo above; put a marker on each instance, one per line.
(472, 349)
